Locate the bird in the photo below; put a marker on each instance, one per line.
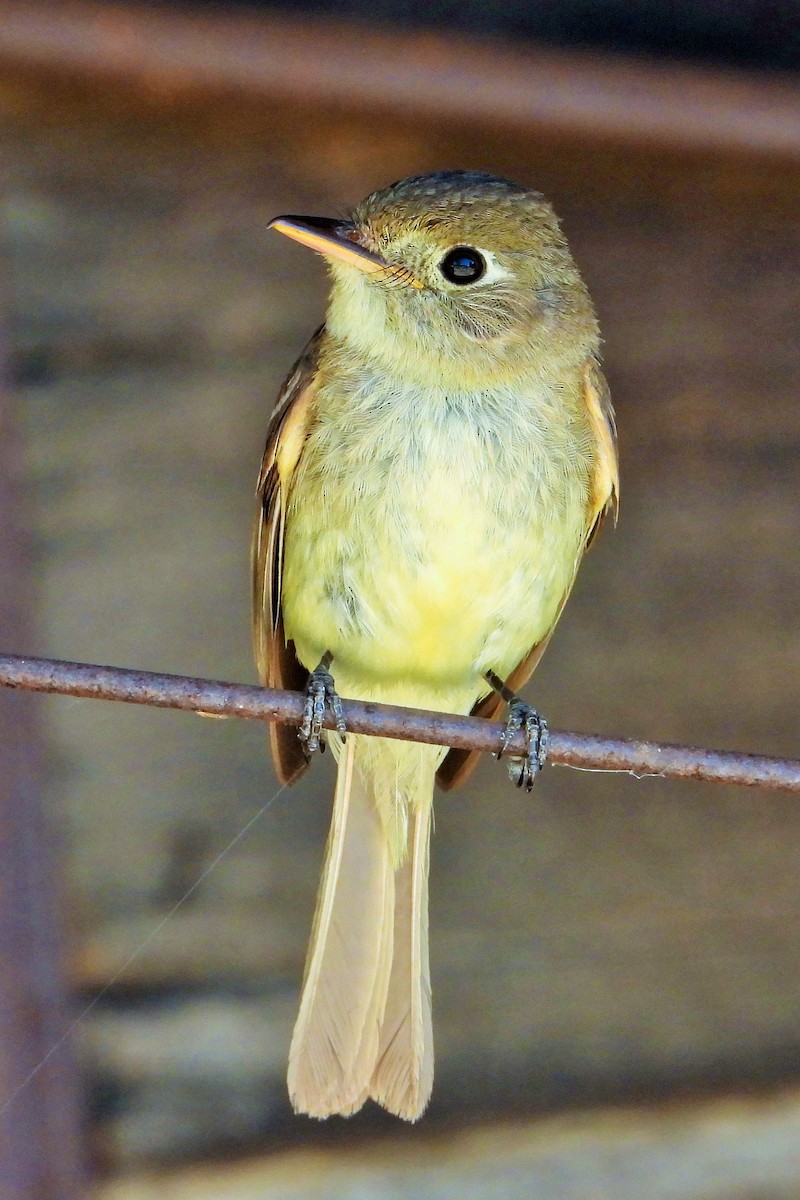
(438, 460)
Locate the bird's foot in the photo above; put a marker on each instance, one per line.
(522, 770)
(320, 693)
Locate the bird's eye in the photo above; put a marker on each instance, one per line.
(463, 265)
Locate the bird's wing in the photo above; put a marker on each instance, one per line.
(277, 663)
(458, 765)
(604, 491)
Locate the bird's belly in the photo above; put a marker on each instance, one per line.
(429, 580)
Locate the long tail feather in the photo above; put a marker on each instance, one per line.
(364, 1026)
(336, 1036)
(403, 1076)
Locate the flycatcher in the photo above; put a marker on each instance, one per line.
(438, 460)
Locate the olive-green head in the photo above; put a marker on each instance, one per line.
(456, 278)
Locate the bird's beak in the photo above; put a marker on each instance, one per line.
(337, 240)
(341, 240)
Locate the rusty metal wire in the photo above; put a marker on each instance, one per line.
(215, 698)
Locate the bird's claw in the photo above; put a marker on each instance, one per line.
(523, 770)
(320, 692)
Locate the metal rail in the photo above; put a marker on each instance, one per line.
(588, 751)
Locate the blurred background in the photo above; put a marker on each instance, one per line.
(616, 962)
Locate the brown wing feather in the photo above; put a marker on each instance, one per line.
(277, 663)
(604, 492)
(458, 765)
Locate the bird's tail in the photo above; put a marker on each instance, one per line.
(364, 1026)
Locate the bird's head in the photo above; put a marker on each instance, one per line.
(453, 279)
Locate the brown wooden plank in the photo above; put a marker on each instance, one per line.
(40, 1155)
(419, 76)
(729, 1148)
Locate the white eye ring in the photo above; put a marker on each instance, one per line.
(494, 271)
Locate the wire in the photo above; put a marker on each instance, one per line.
(215, 698)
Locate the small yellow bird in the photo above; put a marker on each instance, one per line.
(439, 459)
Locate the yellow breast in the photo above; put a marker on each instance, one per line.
(431, 536)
